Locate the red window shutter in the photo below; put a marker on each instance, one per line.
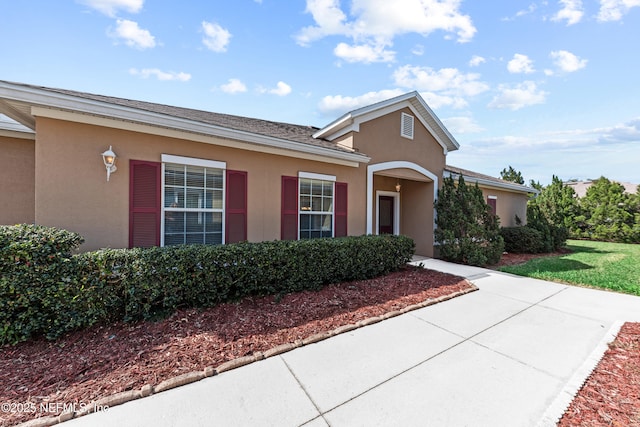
(144, 204)
(340, 209)
(289, 222)
(236, 207)
(492, 202)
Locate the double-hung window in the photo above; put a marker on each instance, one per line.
(193, 201)
(313, 205)
(184, 200)
(316, 205)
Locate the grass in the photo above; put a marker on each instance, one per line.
(614, 266)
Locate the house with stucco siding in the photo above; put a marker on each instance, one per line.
(191, 176)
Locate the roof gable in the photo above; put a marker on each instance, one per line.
(351, 121)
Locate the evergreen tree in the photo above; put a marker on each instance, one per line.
(466, 230)
(553, 213)
(557, 203)
(609, 213)
(512, 175)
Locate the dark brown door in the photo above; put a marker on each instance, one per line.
(385, 215)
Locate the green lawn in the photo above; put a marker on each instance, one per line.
(614, 266)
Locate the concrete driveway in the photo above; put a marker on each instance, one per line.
(511, 354)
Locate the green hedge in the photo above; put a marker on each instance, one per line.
(45, 290)
(522, 240)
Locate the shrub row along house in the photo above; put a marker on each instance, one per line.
(186, 176)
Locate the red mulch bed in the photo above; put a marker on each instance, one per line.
(87, 365)
(611, 394)
(514, 259)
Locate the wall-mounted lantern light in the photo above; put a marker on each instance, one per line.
(398, 186)
(109, 159)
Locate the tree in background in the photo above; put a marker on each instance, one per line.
(512, 175)
(466, 230)
(608, 213)
(557, 203)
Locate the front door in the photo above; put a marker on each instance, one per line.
(385, 214)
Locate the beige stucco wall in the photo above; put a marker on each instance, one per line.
(72, 191)
(508, 205)
(380, 139)
(17, 180)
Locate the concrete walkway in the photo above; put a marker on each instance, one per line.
(511, 354)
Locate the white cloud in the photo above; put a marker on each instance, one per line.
(363, 53)
(133, 35)
(461, 125)
(518, 96)
(448, 81)
(281, 89)
(338, 104)
(215, 37)
(627, 132)
(234, 86)
(145, 73)
(571, 12)
(613, 10)
(418, 50)
(567, 61)
(610, 151)
(111, 7)
(520, 64)
(532, 8)
(375, 23)
(476, 60)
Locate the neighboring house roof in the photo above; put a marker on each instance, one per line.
(486, 180)
(351, 121)
(581, 187)
(17, 101)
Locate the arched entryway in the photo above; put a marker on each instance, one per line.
(400, 200)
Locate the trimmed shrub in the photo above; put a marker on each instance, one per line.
(39, 283)
(61, 292)
(522, 240)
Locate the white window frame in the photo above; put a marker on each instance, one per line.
(319, 177)
(396, 210)
(192, 161)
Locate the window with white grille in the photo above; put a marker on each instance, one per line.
(406, 126)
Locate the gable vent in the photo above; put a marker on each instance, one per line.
(406, 126)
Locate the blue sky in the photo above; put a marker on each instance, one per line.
(548, 87)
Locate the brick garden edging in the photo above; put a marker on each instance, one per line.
(190, 377)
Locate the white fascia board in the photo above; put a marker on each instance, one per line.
(17, 135)
(88, 106)
(351, 121)
(454, 144)
(517, 188)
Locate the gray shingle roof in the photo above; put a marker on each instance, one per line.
(487, 179)
(285, 131)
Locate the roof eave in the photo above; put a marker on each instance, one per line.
(490, 183)
(48, 99)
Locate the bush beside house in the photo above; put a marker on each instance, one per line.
(467, 232)
(47, 290)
